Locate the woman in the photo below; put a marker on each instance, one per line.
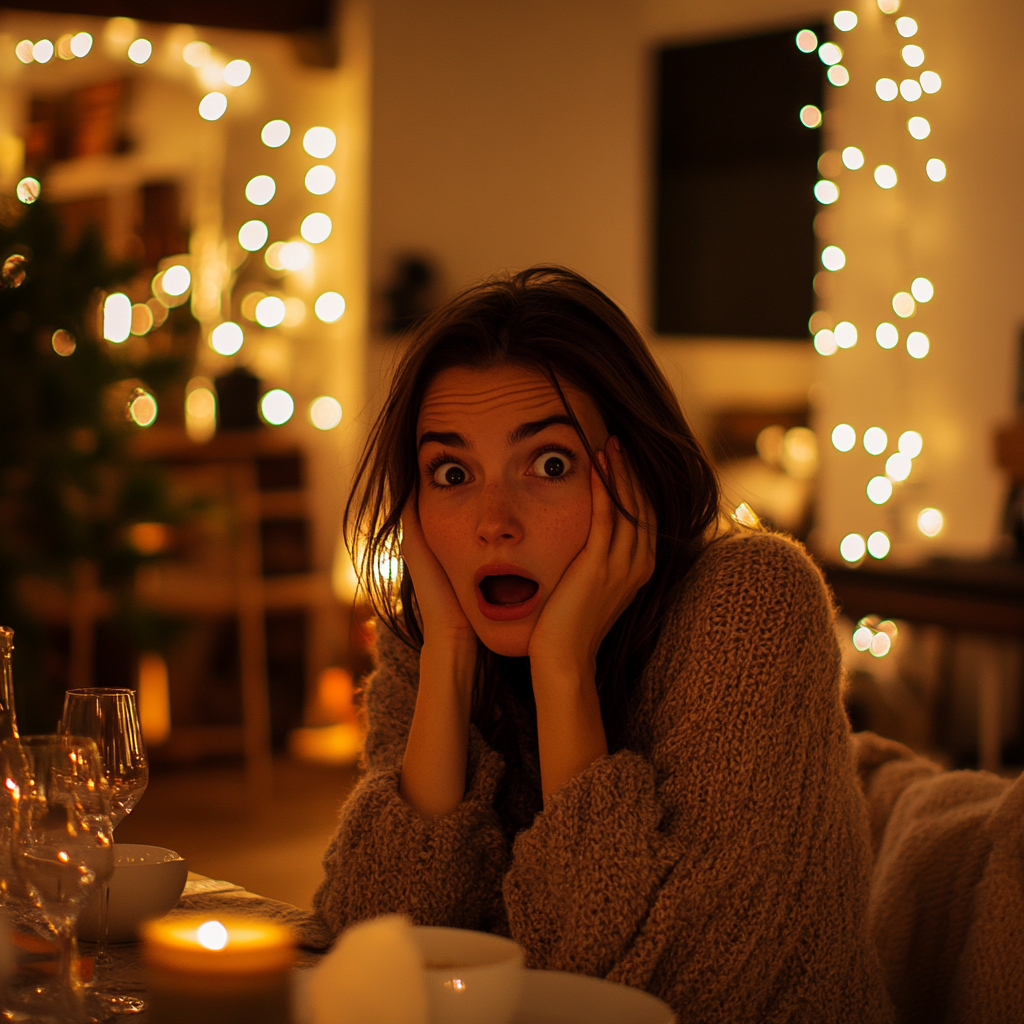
(592, 727)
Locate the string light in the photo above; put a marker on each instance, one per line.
(912, 55)
(845, 334)
(28, 190)
(81, 44)
(325, 412)
(885, 176)
(833, 258)
(295, 256)
(226, 338)
(117, 317)
(142, 319)
(830, 54)
(886, 335)
(838, 75)
(142, 408)
(140, 51)
(329, 307)
(910, 90)
(910, 443)
(275, 133)
(888, 6)
(42, 52)
(906, 27)
(810, 116)
(930, 522)
(903, 304)
(253, 235)
(898, 466)
(319, 142)
(23, 51)
(212, 106)
(922, 289)
(196, 54)
(806, 41)
(935, 169)
(844, 437)
(918, 344)
(919, 128)
(875, 440)
(826, 192)
(853, 158)
(320, 179)
(63, 343)
(845, 21)
(852, 547)
(878, 544)
(879, 490)
(886, 89)
(260, 190)
(930, 82)
(237, 72)
(176, 280)
(270, 311)
(316, 228)
(276, 407)
(825, 342)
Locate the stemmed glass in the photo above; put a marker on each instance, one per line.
(110, 717)
(61, 840)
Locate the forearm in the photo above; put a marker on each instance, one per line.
(433, 780)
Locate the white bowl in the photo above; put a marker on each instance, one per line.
(147, 882)
(472, 977)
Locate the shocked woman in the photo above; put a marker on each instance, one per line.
(598, 723)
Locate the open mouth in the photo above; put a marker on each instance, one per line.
(507, 590)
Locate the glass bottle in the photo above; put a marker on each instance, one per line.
(8, 720)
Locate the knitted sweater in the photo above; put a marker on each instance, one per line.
(721, 860)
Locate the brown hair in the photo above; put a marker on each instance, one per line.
(551, 320)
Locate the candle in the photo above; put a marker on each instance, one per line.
(217, 970)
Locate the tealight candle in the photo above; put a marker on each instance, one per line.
(217, 970)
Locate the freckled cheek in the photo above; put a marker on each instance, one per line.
(449, 531)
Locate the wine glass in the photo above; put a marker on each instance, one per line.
(61, 838)
(110, 716)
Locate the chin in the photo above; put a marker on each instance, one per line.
(510, 641)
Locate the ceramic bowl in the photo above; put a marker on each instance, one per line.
(147, 882)
(472, 977)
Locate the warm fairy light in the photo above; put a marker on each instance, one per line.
(249, 304)
(886, 335)
(260, 190)
(879, 490)
(117, 317)
(273, 255)
(154, 699)
(906, 27)
(885, 176)
(922, 289)
(140, 51)
(888, 6)
(930, 82)
(196, 54)
(63, 342)
(862, 636)
(159, 311)
(838, 75)
(853, 158)
(28, 190)
(826, 192)
(880, 644)
(825, 342)
(912, 55)
(903, 304)
(142, 319)
(878, 544)
(81, 44)
(800, 453)
(806, 41)
(294, 311)
(898, 466)
(325, 412)
(253, 235)
(23, 51)
(176, 280)
(316, 228)
(852, 547)
(329, 307)
(935, 169)
(910, 90)
(42, 52)
(910, 443)
(142, 408)
(810, 116)
(919, 128)
(295, 256)
(276, 133)
(845, 21)
(875, 440)
(319, 142)
(886, 89)
(200, 410)
(237, 72)
(918, 344)
(212, 935)
(833, 258)
(320, 179)
(830, 53)
(930, 522)
(226, 338)
(64, 47)
(846, 334)
(212, 106)
(270, 311)
(746, 516)
(277, 407)
(844, 437)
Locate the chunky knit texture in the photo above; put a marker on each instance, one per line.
(947, 898)
(721, 860)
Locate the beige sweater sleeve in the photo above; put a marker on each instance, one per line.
(384, 857)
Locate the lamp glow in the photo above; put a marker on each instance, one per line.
(930, 522)
(212, 935)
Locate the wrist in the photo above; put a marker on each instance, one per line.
(449, 661)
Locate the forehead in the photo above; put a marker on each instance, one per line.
(462, 397)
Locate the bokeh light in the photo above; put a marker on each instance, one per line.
(320, 179)
(81, 44)
(260, 190)
(910, 90)
(910, 443)
(844, 437)
(226, 338)
(906, 27)
(825, 342)
(885, 176)
(237, 72)
(922, 289)
(196, 54)
(212, 935)
(930, 522)
(898, 466)
(826, 192)
(142, 319)
(930, 82)
(142, 408)
(886, 335)
(273, 255)
(140, 51)
(276, 407)
(878, 544)
(200, 410)
(918, 344)
(810, 116)
(844, 20)
(329, 307)
(319, 142)
(316, 228)
(176, 280)
(862, 637)
(875, 440)
(903, 304)
(888, 6)
(880, 644)
(253, 235)
(28, 190)
(912, 55)
(295, 256)
(886, 89)
(63, 342)
(42, 52)
(294, 311)
(270, 311)
(833, 258)
(919, 128)
(879, 490)
(935, 169)
(325, 412)
(830, 53)
(846, 334)
(212, 106)
(853, 158)
(852, 547)
(838, 75)
(806, 41)
(276, 133)
(117, 317)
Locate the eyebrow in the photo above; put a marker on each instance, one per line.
(450, 439)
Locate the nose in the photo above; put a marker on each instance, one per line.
(497, 520)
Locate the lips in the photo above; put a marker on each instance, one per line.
(506, 592)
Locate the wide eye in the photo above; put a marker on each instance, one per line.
(449, 474)
(551, 465)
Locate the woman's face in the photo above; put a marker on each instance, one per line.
(504, 492)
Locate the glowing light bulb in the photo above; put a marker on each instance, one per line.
(212, 935)
(81, 44)
(319, 142)
(935, 169)
(196, 53)
(898, 466)
(140, 51)
(862, 636)
(237, 72)
(260, 190)
(880, 644)
(844, 437)
(875, 441)
(888, 6)
(906, 27)
(253, 235)
(886, 335)
(142, 408)
(200, 413)
(226, 338)
(806, 41)
(919, 128)
(885, 176)
(320, 179)
(910, 90)
(918, 344)
(930, 522)
(276, 133)
(930, 82)
(879, 490)
(142, 319)
(852, 547)
(910, 443)
(810, 116)
(825, 342)
(273, 255)
(212, 106)
(316, 228)
(878, 544)
(28, 190)
(826, 192)
(830, 53)
(838, 76)
(325, 412)
(277, 407)
(846, 334)
(42, 52)
(329, 307)
(23, 51)
(295, 256)
(270, 311)
(833, 258)
(903, 304)
(845, 21)
(63, 343)
(912, 55)
(853, 158)
(922, 289)
(886, 89)
(176, 280)
(117, 317)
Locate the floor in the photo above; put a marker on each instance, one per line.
(201, 812)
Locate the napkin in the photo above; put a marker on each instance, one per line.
(373, 975)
